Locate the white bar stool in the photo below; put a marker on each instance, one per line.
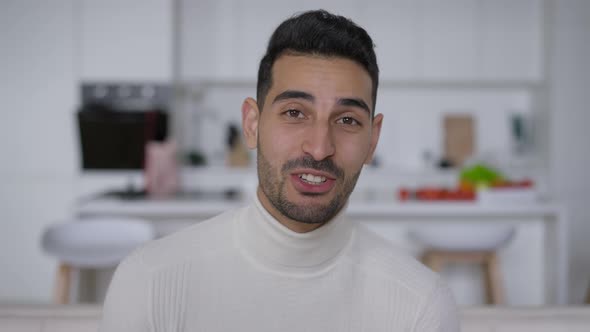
(91, 243)
(467, 243)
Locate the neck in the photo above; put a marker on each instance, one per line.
(266, 241)
(294, 225)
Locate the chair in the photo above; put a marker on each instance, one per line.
(91, 243)
(468, 243)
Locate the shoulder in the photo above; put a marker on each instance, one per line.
(206, 238)
(164, 264)
(421, 290)
(383, 260)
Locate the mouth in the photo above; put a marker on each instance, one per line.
(312, 181)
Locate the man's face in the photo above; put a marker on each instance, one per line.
(313, 137)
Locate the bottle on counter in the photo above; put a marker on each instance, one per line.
(237, 155)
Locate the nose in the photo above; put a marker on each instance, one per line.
(318, 142)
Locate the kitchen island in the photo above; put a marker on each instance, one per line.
(534, 263)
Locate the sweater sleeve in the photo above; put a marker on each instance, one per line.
(439, 313)
(127, 301)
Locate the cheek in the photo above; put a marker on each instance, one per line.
(278, 145)
(352, 151)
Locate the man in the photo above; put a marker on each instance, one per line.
(290, 261)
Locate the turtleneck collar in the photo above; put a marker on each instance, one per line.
(268, 243)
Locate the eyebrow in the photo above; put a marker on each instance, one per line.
(355, 102)
(293, 94)
(296, 94)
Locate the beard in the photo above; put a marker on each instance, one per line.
(273, 183)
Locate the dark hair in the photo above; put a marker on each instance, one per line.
(318, 32)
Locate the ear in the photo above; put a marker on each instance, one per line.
(250, 118)
(375, 131)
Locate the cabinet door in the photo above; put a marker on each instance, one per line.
(449, 40)
(497, 40)
(125, 39)
(257, 19)
(512, 39)
(252, 35)
(226, 39)
(206, 48)
(416, 40)
(394, 27)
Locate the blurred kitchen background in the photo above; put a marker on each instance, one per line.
(481, 98)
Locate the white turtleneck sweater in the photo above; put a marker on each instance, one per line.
(244, 271)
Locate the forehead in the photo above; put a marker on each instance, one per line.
(320, 76)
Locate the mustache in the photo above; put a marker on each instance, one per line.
(326, 165)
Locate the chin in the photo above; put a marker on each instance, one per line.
(311, 199)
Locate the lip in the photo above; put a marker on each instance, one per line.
(306, 188)
(314, 172)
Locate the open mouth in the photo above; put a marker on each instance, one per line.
(308, 181)
(312, 179)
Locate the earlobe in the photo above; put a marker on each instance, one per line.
(250, 117)
(375, 131)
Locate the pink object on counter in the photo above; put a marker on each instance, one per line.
(161, 168)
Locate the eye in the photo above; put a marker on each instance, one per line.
(347, 120)
(293, 113)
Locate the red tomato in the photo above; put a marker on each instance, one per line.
(403, 194)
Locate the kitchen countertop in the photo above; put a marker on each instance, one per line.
(169, 215)
(211, 206)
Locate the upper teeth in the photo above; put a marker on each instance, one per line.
(313, 178)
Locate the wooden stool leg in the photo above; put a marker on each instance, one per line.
(494, 292)
(63, 284)
(436, 260)
(433, 260)
(588, 295)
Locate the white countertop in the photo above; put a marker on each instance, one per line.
(210, 207)
(169, 215)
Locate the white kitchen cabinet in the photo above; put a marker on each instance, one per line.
(394, 28)
(416, 40)
(468, 40)
(206, 45)
(448, 34)
(511, 40)
(476, 40)
(129, 40)
(225, 40)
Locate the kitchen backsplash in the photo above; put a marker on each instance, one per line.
(412, 134)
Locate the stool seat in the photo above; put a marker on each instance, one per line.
(95, 243)
(466, 243)
(473, 236)
(91, 243)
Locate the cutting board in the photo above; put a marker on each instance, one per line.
(459, 138)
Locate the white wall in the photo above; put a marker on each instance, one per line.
(37, 137)
(46, 48)
(569, 130)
